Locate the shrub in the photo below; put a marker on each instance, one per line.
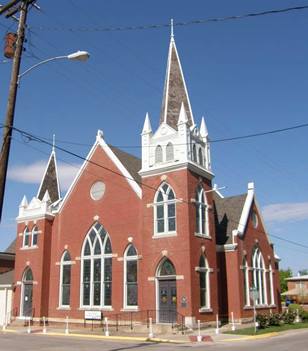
(262, 320)
(304, 316)
(288, 317)
(293, 307)
(274, 319)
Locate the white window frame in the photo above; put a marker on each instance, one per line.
(62, 264)
(246, 283)
(102, 256)
(159, 147)
(205, 270)
(127, 259)
(271, 277)
(202, 206)
(26, 233)
(259, 277)
(165, 204)
(35, 231)
(169, 152)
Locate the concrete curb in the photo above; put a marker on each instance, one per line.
(251, 337)
(102, 337)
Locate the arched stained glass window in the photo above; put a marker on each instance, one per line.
(26, 237)
(259, 276)
(35, 232)
(96, 276)
(65, 279)
(28, 276)
(201, 212)
(131, 277)
(164, 210)
(166, 268)
(204, 281)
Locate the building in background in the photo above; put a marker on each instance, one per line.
(149, 235)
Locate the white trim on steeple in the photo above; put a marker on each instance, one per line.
(24, 202)
(53, 154)
(183, 115)
(172, 45)
(203, 129)
(147, 128)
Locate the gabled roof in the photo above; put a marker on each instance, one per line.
(50, 180)
(7, 278)
(130, 162)
(228, 211)
(175, 92)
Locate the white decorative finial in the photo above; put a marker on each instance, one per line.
(171, 25)
(53, 142)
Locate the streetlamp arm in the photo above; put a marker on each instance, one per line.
(39, 64)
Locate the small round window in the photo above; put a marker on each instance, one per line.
(97, 190)
(254, 219)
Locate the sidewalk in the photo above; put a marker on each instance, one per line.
(208, 335)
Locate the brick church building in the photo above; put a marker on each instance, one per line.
(145, 235)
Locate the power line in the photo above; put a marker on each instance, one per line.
(31, 137)
(166, 25)
(220, 140)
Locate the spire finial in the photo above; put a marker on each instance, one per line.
(171, 27)
(53, 142)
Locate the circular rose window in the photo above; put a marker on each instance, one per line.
(97, 190)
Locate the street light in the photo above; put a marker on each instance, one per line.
(75, 56)
(9, 120)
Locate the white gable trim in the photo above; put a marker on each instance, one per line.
(131, 181)
(83, 166)
(250, 199)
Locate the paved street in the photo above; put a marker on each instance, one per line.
(295, 340)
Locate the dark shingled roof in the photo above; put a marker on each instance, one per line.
(130, 162)
(7, 278)
(11, 248)
(174, 92)
(227, 213)
(50, 181)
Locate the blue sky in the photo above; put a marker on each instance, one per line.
(244, 76)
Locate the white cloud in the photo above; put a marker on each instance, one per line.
(283, 212)
(33, 173)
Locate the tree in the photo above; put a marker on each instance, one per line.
(303, 272)
(283, 275)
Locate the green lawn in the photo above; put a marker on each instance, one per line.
(284, 327)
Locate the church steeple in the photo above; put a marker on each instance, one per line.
(50, 181)
(175, 92)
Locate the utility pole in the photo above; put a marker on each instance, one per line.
(10, 9)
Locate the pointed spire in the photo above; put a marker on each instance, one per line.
(53, 142)
(183, 115)
(46, 197)
(203, 129)
(50, 181)
(175, 92)
(24, 202)
(171, 29)
(147, 125)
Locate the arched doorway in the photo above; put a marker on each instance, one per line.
(166, 292)
(27, 290)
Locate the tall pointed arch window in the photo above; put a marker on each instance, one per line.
(65, 279)
(204, 280)
(158, 154)
(259, 276)
(26, 237)
(194, 153)
(271, 277)
(245, 270)
(164, 210)
(200, 154)
(201, 212)
(169, 152)
(35, 232)
(96, 272)
(130, 277)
